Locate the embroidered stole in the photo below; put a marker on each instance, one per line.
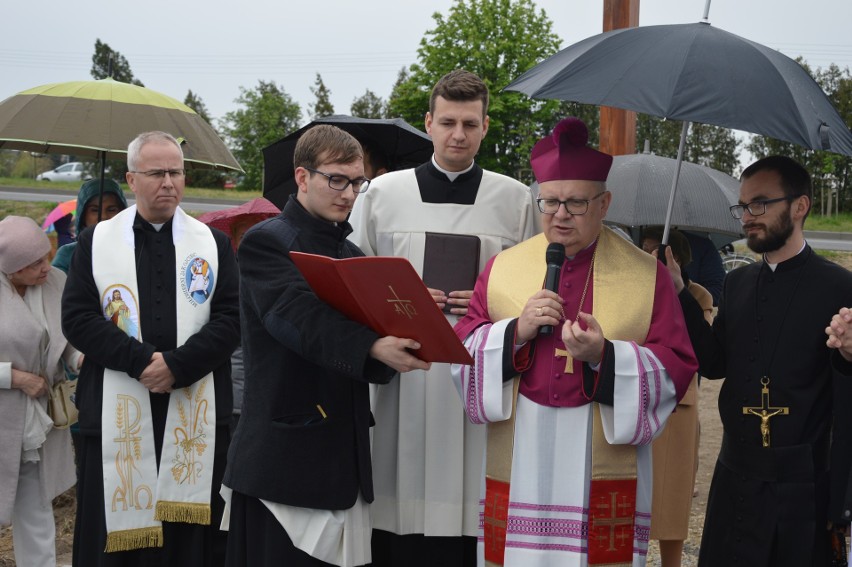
(623, 296)
(136, 497)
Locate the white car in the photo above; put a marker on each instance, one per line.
(72, 171)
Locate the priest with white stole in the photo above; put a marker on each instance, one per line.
(154, 391)
(574, 378)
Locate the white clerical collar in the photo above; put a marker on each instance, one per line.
(592, 243)
(158, 226)
(452, 175)
(775, 265)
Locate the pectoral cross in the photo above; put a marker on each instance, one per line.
(569, 360)
(765, 411)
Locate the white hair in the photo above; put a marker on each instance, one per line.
(135, 147)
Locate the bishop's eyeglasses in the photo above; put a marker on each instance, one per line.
(572, 206)
(341, 182)
(757, 208)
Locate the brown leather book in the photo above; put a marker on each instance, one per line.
(450, 262)
(386, 295)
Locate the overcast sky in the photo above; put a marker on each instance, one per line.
(214, 47)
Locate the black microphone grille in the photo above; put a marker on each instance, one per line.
(555, 253)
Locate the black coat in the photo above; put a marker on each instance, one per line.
(301, 355)
(105, 345)
(770, 504)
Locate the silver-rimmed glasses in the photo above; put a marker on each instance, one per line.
(161, 173)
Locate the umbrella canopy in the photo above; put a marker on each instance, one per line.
(696, 73)
(640, 185)
(100, 118)
(403, 144)
(62, 209)
(250, 212)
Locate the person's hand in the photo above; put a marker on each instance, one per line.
(439, 296)
(839, 333)
(30, 384)
(460, 300)
(586, 346)
(395, 352)
(543, 308)
(673, 267)
(157, 377)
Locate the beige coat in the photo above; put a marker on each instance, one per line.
(20, 336)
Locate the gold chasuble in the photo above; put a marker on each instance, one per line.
(623, 298)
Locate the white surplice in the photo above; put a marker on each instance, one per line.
(427, 457)
(551, 464)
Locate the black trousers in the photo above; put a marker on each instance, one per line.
(256, 539)
(417, 550)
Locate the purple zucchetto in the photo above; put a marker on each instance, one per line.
(565, 155)
(22, 242)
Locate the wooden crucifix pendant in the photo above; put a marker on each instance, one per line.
(765, 411)
(569, 360)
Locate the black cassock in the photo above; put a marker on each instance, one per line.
(770, 505)
(187, 545)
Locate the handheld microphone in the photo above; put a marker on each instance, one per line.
(554, 256)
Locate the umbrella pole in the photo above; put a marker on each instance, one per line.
(101, 183)
(667, 226)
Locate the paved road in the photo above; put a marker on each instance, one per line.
(28, 194)
(840, 241)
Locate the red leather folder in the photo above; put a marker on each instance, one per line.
(387, 295)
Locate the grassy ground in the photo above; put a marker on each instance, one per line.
(188, 192)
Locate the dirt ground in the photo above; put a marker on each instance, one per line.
(711, 438)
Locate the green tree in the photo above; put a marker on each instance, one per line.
(711, 146)
(368, 105)
(268, 115)
(194, 101)
(322, 106)
(120, 66)
(831, 173)
(498, 40)
(201, 177)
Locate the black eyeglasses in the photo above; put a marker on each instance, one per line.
(341, 182)
(574, 207)
(757, 208)
(161, 173)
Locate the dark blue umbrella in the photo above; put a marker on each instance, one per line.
(693, 73)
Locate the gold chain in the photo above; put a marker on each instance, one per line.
(586, 285)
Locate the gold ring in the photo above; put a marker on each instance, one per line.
(538, 311)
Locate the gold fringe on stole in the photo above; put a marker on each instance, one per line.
(186, 512)
(139, 538)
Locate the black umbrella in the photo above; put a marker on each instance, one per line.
(694, 73)
(403, 145)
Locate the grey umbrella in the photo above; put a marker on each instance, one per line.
(694, 73)
(640, 184)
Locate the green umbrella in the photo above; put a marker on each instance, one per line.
(100, 118)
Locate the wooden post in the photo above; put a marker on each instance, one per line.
(618, 127)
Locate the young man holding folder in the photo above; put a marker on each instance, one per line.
(299, 477)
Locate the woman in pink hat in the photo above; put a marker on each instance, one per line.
(36, 462)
